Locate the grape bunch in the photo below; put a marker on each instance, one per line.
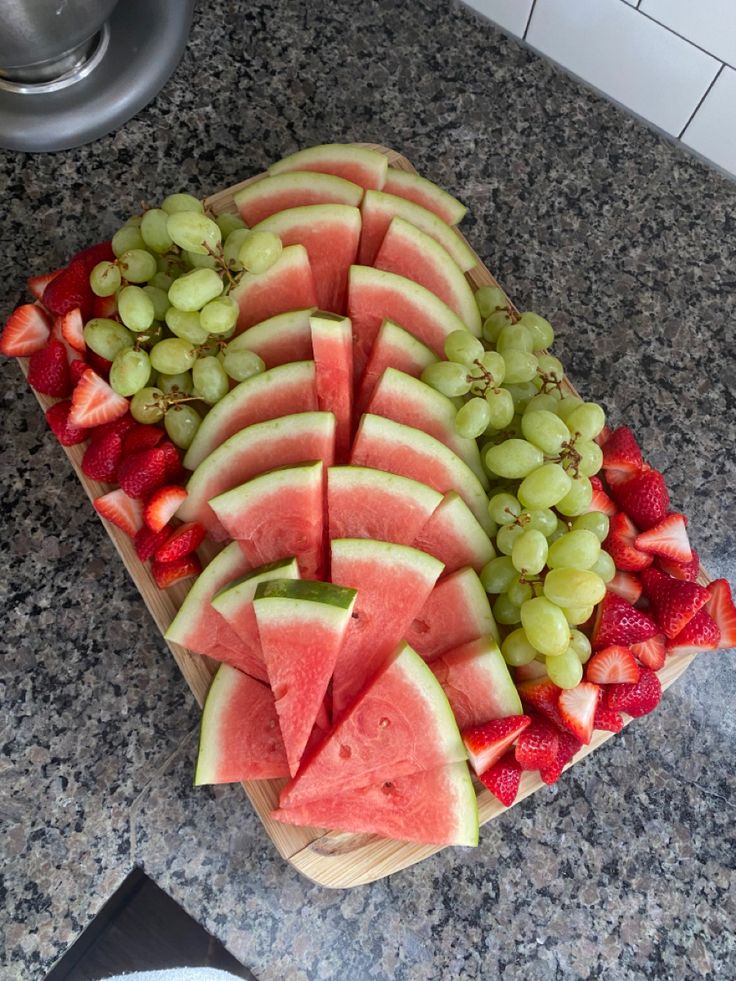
(169, 322)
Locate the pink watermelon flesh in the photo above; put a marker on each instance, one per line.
(424, 193)
(456, 611)
(280, 339)
(421, 807)
(453, 535)
(362, 166)
(393, 583)
(293, 189)
(240, 737)
(393, 348)
(332, 344)
(287, 285)
(477, 683)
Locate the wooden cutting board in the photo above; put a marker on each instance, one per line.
(329, 858)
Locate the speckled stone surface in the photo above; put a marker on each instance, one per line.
(626, 868)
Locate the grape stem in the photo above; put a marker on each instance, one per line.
(219, 257)
(485, 378)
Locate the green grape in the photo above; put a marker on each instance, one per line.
(565, 671)
(578, 498)
(514, 337)
(135, 308)
(545, 430)
(186, 324)
(107, 337)
(194, 232)
(501, 405)
(587, 420)
(490, 299)
(135, 220)
(545, 625)
(462, 347)
(576, 550)
(507, 535)
(547, 401)
(105, 279)
(161, 281)
(137, 265)
(540, 329)
(521, 394)
(196, 261)
(494, 324)
(194, 289)
(529, 551)
(232, 246)
(147, 405)
(551, 366)
(242, 364)
(544, 487)
(154, 230)
(591, 456)
(497, 574)
(504, 508)
(504, 611)
(492, 364)
(173, 356)
(260, 251)
(219, 315)
(566, 405)
(160, 299)
(126, 238)
(129, 372)
(228, 223)
(472, 418)
(604, 566)
(521, 366)
(516, 648)
(573, 587)
(181, 383)
(170, 265)
(519, 592)
(181, 202)
(542, 520)
(581, 645)
(558, 532)
(514, 458)
(595, 521)
(181, 423)
(577, 614)
(210, 380)
(447, 377)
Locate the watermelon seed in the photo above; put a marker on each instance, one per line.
(345, 752)
(384, 723)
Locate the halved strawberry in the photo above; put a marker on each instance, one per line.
(688, 570)
(37, 284)
(618, 622)
(488, 742)
(503, 778)
(577, 708)
(567, 746)
(48, 371)
(667, 538)
(147, 541)
(162, 505)
(607, 719)
(537, 745)
(626, 585)
(72, 327)
(651, 653)
(121, 510)
(102, 458)
(721, 608)
(143, 472)
(620, 545)
(26, 330)
(142, 436)
(165, 574)
(622, 457)
(186, 539)
(94, 402)
(637, 699)
(542, 695)
(600, 500)
(70, 289)
(674, 601)
(57, 417)
(612, 665)
(644, 498)
(699, 634)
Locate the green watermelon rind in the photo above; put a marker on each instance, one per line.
(344, 191)
(312, 214)
(232, 502)
(345, 152)
(231, 598)
(466, 808)
(293, 594)
(477, 603)
(455, 209)
(366, 549)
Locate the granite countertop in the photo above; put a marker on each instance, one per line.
(626, 867)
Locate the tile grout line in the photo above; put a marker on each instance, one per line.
(700, 103)
(682, 37)
(529, 20)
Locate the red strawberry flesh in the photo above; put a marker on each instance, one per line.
(674, 601)
(26, 330)
(488, 742)
(637, 699)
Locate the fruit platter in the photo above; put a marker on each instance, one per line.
(410, 575)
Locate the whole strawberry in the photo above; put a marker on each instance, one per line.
(143, 471)
(674, 601)
(57, 417)
(70, 289)
(637, 699)
(644, 498)
(48, 371)
(618, 622)
(102, 458)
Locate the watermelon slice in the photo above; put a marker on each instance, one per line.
(421, 191)
(278, 340)
(436, 807)
(412, 253)
(287, 285)
(239, 735)
(367, 503)
(409, 401)
(453, 535)
(477, 683)
(332, 343)
(353, 163)
(401, 724)
(287, 389)
(379, 209)
(235, 604)
(301, 626)
(330, 233)
(294, 189)
(198, 626)
(375, 296)
(277, 515)
(282, 442)
(391, 446)
(393, 348)
(457, 611)
(393, 583)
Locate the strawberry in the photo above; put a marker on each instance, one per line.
(674, 601)
(618, 622)
(637, 699)
(530, 672)
(48, 371)
(120, 426)
(146, 541)
(620, 545)
(627, 585)
(651, 653)
(622, 457)
(577, 708)
(542, 695)
(603, 436)
(100, 365)
(102, 458)
(77, 368)
(26, 331)
(72, 327)
(186, 539)
(537, 745)
(644, 498)
(94, 402)
(488, 742)
(612, 665)
(57, 416)
(162, 505)
(503, 779)
(667, 538)
(721, 608)
(37, 284)
(600, 500)
(121, 510)
(165, 574)
(105, 306)
(607, 719)
(174, 469)
(141, 437)
(567, 746)
(70, 289)
(681, 570)
(699, 634)
(143, 472)
(102, 252)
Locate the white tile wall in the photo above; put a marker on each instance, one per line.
(712, 131)
(708, 23)
(512, 15)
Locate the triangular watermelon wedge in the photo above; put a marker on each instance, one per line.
(287, 285)
(393, 347)
(301, 626)
(332, 345)
(353, 163)
(421, 191)
(278, 340)
(434, 807)
(265, 197)
(401, 724)
(393, 583)
(453, 535)
(239, 735)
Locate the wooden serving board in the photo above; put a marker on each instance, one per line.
(329, 858)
